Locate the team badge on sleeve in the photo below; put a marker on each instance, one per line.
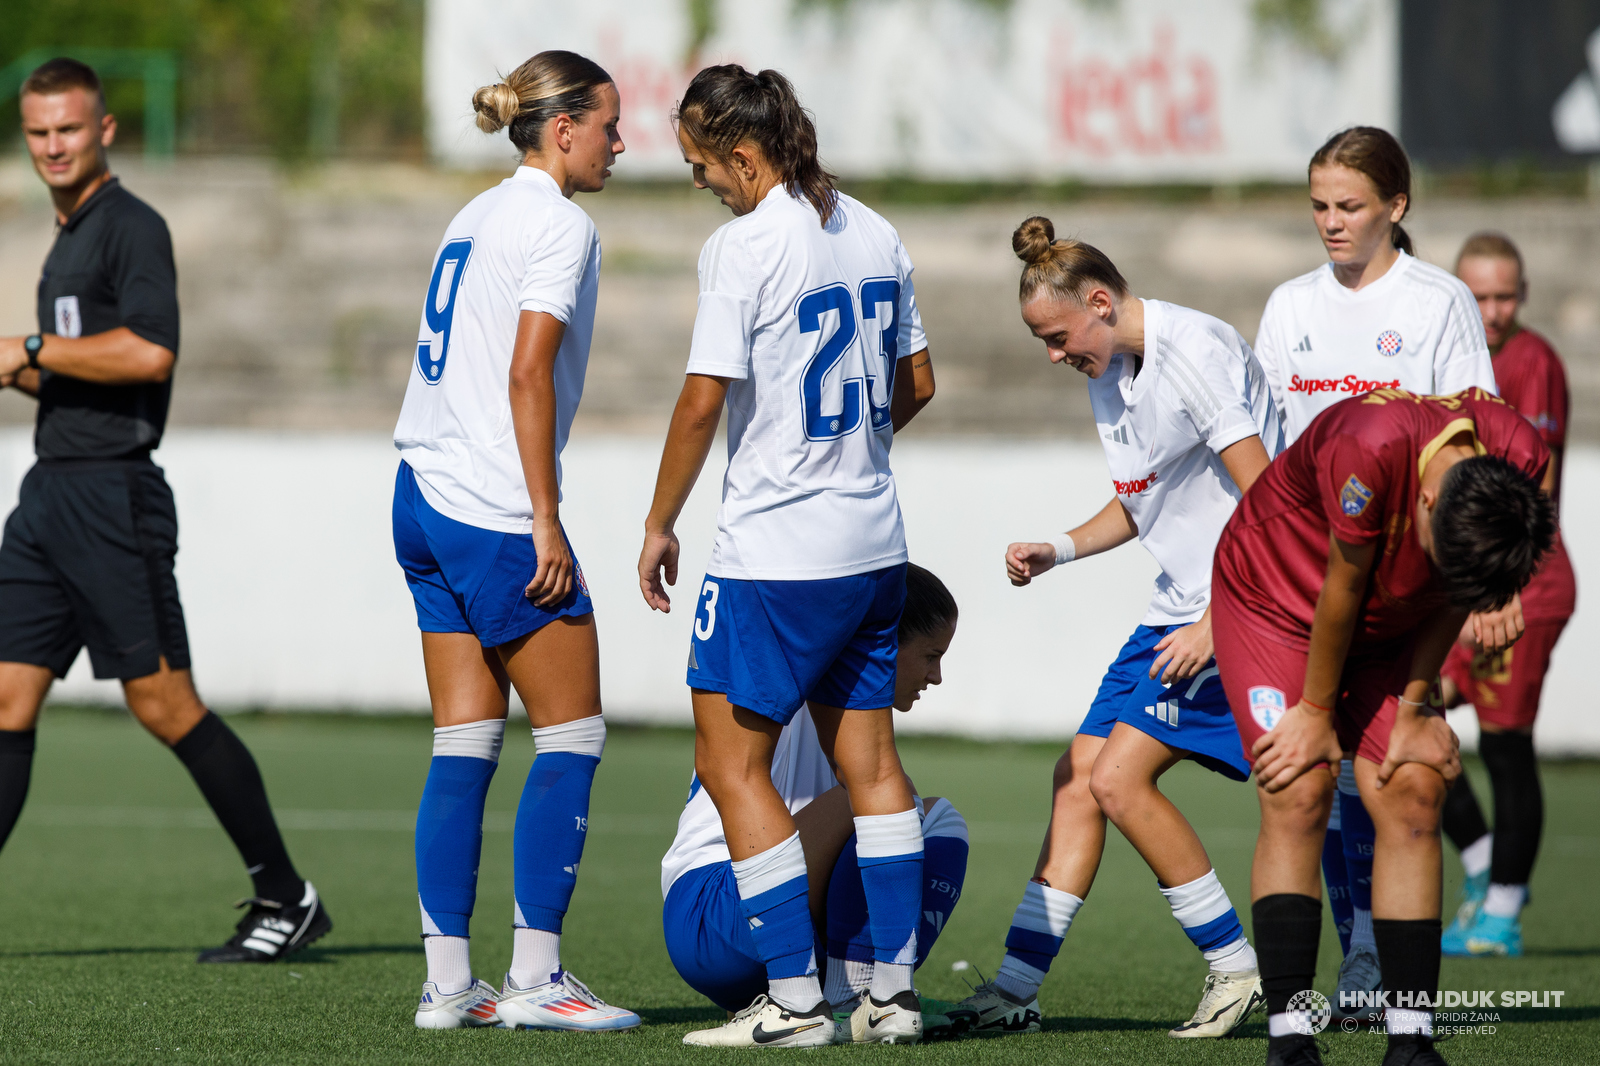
(1389, 343)
(1266, 706)
(1354, 497)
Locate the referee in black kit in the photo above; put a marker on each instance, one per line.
(87, 557)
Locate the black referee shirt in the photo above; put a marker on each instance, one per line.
(111, 266)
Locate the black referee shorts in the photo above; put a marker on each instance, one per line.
(87, 561)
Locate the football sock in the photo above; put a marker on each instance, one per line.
(1505, 901)
(889, 852)
(449, 963)
(1337, 878)
(16, 767)
(1462, 818)
(1038, 927)
(772, 898)
(553, 821)
(450, 833)
(1287, 927)
(1475, 856)
(1518, 805)
(1408, 952)
(1361, 932)
(231, 783)
(848, 980)
(1203, 909)
(535, 957)
(1359, 834)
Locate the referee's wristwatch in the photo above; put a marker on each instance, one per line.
(32, 345)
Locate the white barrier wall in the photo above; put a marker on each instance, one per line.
(1106, 90)
(294, 599)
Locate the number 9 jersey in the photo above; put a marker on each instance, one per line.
(808, 321)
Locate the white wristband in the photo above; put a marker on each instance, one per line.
(1066, 551)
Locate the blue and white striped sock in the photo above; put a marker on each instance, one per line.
(1038, 927)
(889, 852)
(1203, 909)
(772, 898)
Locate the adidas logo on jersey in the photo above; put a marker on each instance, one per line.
(1118, 435)
(1304, 345)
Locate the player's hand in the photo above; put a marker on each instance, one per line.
(552, 577)
(1495, 631)
(1424, 737)
(1184, 652)
(1025, 561)
(13, 357)
(660, 554)
(1302, 738)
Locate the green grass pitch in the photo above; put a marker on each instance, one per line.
(116, 876)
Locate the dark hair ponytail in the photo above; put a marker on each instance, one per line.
(727, 106)
(929, 605)
(1375, 153)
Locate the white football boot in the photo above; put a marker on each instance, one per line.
(1228, 1000)
(897, 1021)
(990, 1011)
(767, 1024)
(565, 1003)
(464, 1010)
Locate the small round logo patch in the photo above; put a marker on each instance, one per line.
(1309, 1012)
(1389, 343)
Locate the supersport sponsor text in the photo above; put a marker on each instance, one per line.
(1348, 384)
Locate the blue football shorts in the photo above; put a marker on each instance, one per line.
(1192, 716)
(465, 579)
(772, 645)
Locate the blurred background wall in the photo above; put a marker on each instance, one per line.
(319, 148)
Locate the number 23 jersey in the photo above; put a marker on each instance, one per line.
(808, 321)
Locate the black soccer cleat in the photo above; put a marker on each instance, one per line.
(271, 930)
(1412, 1051)
(1294, 1050)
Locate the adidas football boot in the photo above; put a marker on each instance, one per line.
(897, 1020)
(765, 1023)
(465, 1010)
(1358, 973)
(271, 930)
(1229, 999)
(565, 1003)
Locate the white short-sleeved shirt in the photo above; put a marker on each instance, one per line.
(1416, 328)
(1201, 390)
(809, 323)
(520, 246)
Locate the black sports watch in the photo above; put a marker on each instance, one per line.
(32, 346)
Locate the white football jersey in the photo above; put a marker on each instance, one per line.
(800, 772)
(1416, 328)
(809, 323)
(1201, 390)
(520, 246)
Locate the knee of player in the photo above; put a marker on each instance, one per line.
(1113, 790)
(1413, 799)
(1302, 807)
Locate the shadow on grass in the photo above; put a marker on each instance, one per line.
(318, 954)
(1103, 1025)
(682, 1015)
(93, 952)
(1562, 953)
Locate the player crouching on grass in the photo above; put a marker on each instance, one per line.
(1341, 582)
(708, 936)
(1188, 424)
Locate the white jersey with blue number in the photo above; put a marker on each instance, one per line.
(1164, 430)
(1416, 328)
(520, 246)
(809, 323)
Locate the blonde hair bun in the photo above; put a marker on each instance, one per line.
(1033, 239)
(496, 106)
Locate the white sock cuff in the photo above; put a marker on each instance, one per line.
(943, 820)
(586, 736)
(771, 868)
(1278, 1025)
(1347, 778)
(1505, 901)
(1046, 910)
(880, 836)
(471, 740)
(1237, 957)
(1475, 856)
(1198, 902)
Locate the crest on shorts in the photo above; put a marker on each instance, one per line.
(1389, 343)
(1266, 706)
(1354, 497)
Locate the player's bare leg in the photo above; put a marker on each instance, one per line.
(1076, 838)
(165, 703)
(23, 687)
(733, 761)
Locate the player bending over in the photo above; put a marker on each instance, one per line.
(708, 937)
(1341, 582)
(808, 329)
(477, 529)
(1188, 424)
(1503, 685)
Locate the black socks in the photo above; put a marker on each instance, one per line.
(1518, 805)
(1286, 928)
(1408, 953)
(16, 767)
(1462, 818)
(228, 778)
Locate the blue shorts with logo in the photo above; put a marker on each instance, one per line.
(772, 645)
(465, 579)
(1192, 716)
